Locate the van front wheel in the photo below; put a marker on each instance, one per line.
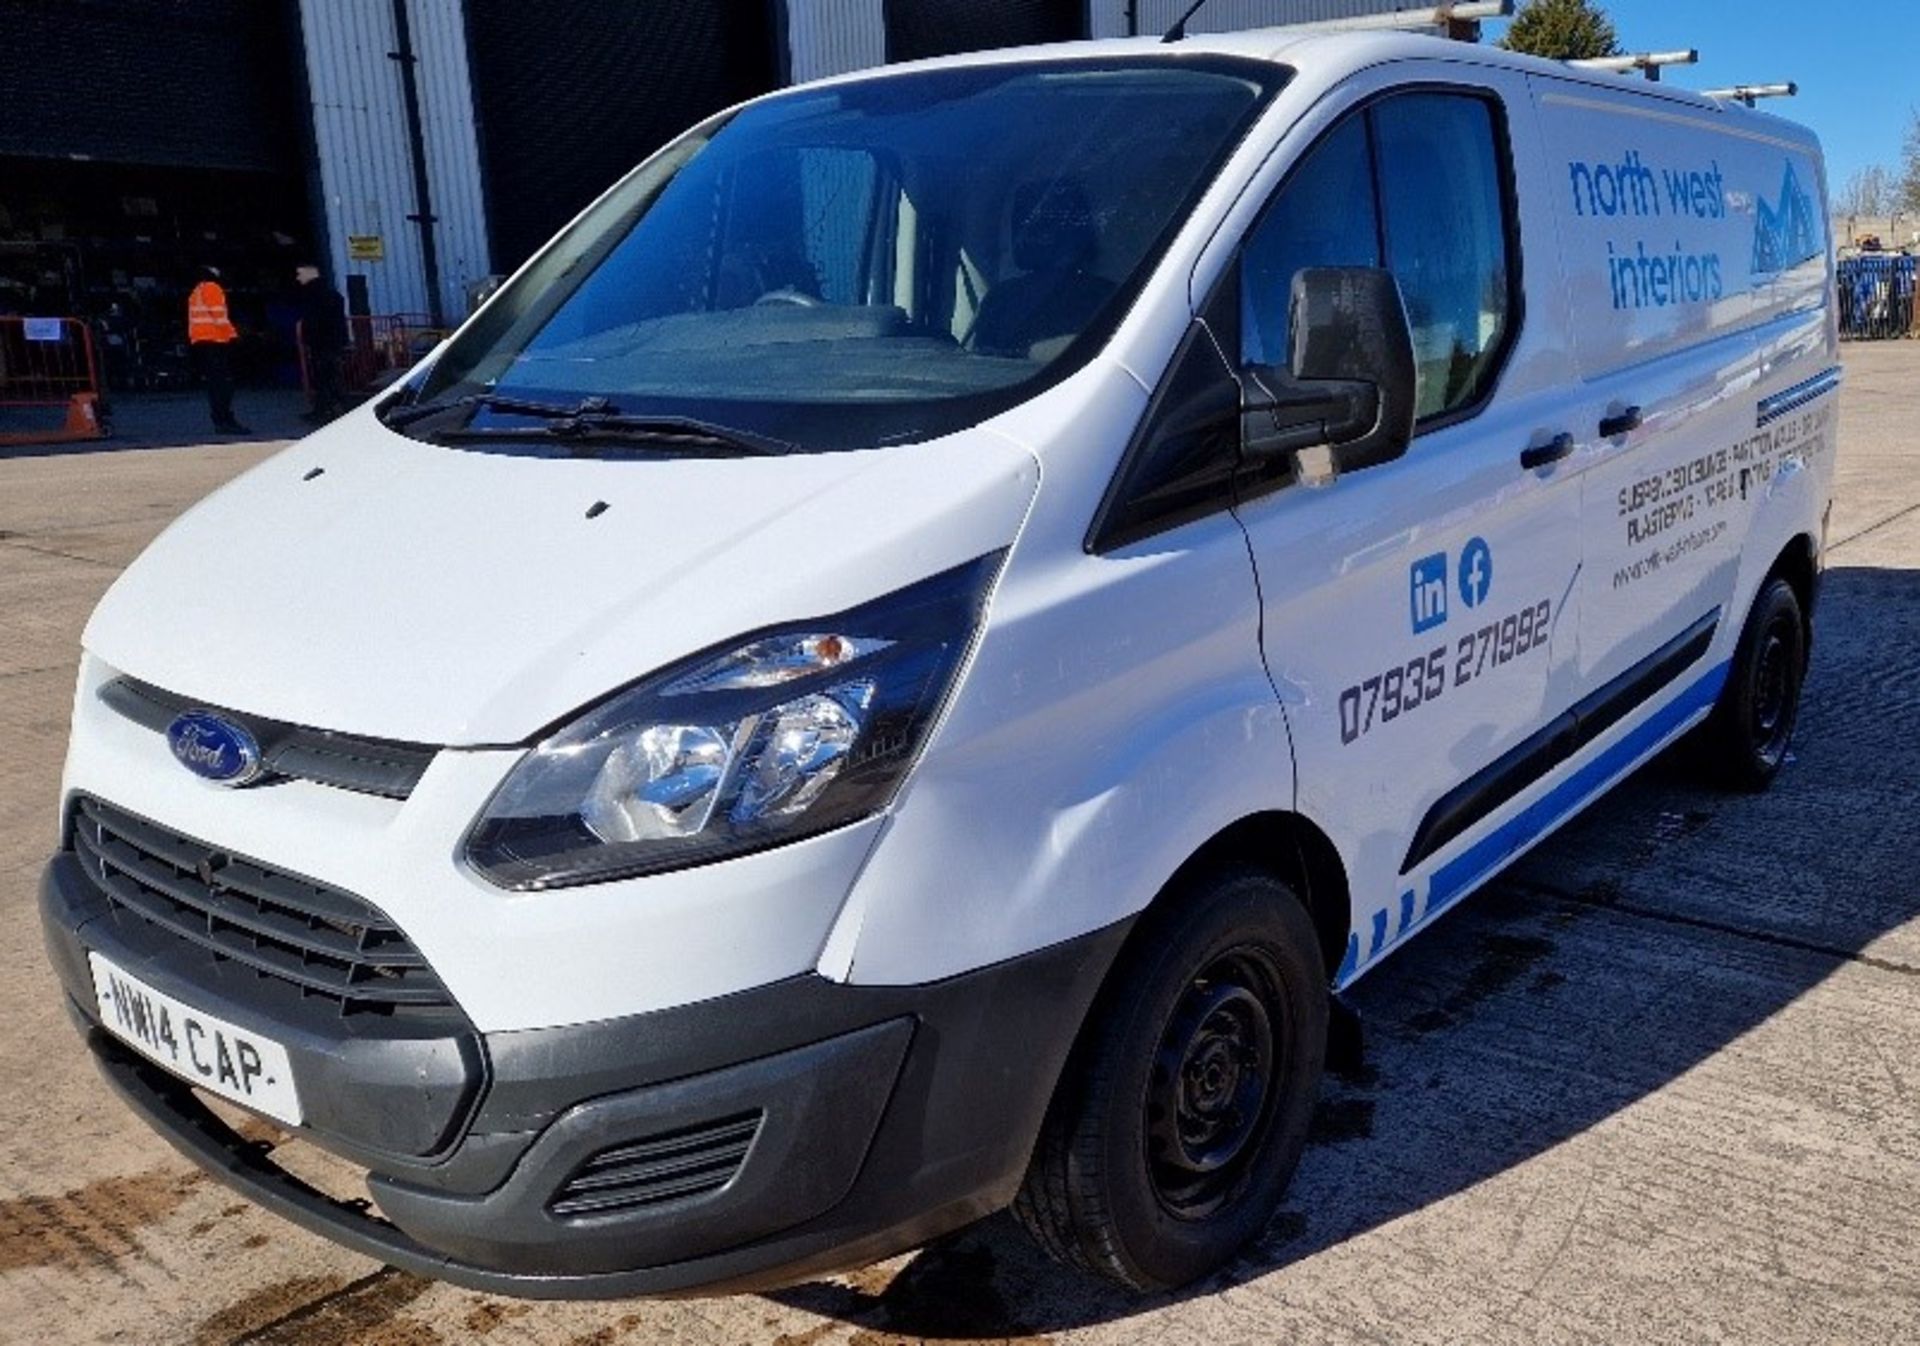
(1185, 1107)
(1744, 742)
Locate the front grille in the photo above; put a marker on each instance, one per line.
(322, 940)
(673, 1166)
(346, 761)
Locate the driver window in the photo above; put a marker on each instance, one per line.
(1412, 183)
(1446, 239)
(1324, 215)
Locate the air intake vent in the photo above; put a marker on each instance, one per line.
(674, 1166)
(324, 941)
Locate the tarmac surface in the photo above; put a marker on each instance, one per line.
(1659, 1084)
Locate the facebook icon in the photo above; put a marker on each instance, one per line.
(1429, 592)
(1476, 572)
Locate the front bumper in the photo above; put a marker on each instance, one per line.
(748, 1141)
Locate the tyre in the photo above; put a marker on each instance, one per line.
(1744, 741)
(1185, 1105)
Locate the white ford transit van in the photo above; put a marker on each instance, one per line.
(897, 666)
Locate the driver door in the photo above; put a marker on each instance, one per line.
(1415, 614)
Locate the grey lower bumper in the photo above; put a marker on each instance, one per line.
(874, 1118)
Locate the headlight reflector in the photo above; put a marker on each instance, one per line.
(660, 783)
(798, 749)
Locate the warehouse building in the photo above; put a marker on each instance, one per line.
(414, 147)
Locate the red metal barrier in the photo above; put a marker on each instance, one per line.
(380, 348)
(48, 371)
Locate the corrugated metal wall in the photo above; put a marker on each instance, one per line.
(453, 154)
(147, 82)
(920, 28)
(1108, 18)
(827, 37)
(571, 94)
(360, 132)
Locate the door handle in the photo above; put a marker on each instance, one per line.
(1612, 427)
(1540, 455)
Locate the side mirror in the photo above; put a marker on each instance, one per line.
(1350, 383)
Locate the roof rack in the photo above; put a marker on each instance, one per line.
(1749, 93)
(1460, 19)
(1648, 63)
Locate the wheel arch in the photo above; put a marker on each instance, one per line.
(1294, 850)
(1796, 563)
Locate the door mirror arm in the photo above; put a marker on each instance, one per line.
(1281, 415)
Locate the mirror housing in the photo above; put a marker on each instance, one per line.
(1350, 382)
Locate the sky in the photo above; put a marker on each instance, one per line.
(1857, 65)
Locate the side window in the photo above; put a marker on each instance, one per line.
(1185, 454)
(1414, 183)
(1324, 216)
(1446, 231)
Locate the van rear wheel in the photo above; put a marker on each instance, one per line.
(1744, 742)
(1184, 1109)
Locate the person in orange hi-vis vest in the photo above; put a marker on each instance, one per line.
(211, 334)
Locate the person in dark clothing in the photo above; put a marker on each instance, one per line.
(323, 330)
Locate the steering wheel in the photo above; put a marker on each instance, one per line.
(786, 294)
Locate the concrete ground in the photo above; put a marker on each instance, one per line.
(1662, 1084)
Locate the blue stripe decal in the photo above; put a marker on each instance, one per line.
(1379, 934)
(1465, 871)
(1480, 861)
(1348, 964)
(1785, 403)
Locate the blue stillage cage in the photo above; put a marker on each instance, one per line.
(1876, 295)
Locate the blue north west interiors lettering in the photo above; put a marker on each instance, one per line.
(1631, 188)
(1639, 276)
(1654, 280)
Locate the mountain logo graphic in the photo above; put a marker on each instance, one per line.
(1785, 233)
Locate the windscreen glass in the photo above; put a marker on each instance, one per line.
(873, 263)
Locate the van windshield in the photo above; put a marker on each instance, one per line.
(870, 263)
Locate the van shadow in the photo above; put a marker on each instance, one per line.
(1642, 939)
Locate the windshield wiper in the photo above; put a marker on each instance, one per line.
(593, 419)
(408, 412)
(584, 438)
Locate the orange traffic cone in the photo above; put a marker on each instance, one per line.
(83, 418)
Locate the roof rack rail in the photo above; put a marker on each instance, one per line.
(1749, 93)
(1648, 63)
(1460, 19)
(1455, 18)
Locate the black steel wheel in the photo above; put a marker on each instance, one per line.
(1210, 1094)
(1185, 1106)
(1744, 742)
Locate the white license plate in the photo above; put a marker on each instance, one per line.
(238, 1065)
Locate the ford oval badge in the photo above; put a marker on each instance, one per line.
(215, 748)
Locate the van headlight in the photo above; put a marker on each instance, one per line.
(782, 735)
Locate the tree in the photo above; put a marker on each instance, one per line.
(1562, 30)
(1868, 194)
(1908, 195)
